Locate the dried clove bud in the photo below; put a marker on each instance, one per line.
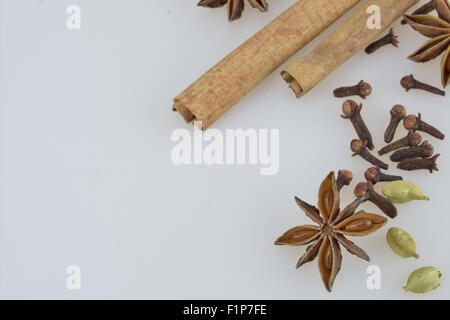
(398, 113)
(425, 150)
(426, 8)
(390, 38)
(362, 89)
(359, 147)
(344, 178)
(408, 82)
(374, 175)
(413, 139)
(419, 163)
(412, 122)
(365, 190)
(351, 110)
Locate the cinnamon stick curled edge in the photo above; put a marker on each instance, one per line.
(237, 74)
(336, 49)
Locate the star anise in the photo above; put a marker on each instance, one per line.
(235, 7)
(437, 28)
(333, 226)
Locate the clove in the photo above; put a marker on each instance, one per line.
(351, 110)
(425, 150)
(408, 82)
(344, 178)
(398, 113)
(426, 8)
(412, 122)
(413, 139)
(365, 190)
(362, 89)
(359, 147)
(374, 175)
(390, 38)
(419, 163)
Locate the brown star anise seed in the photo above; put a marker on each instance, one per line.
(438, 29)
(333, 225)
(235, 7)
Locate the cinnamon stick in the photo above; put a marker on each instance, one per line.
(353, 36)
(238, 73)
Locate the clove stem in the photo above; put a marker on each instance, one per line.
(390, 38)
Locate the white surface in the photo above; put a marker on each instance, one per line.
(87, 179)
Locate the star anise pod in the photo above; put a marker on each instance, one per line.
(438, 29)
(333, 225)
(235, 7)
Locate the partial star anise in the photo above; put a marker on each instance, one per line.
(333, 226)
(235, 7)
(437, 28)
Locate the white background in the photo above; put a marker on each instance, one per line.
(86, 176)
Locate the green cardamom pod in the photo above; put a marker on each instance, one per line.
(403, 192)
(423, 280)
(401, 243)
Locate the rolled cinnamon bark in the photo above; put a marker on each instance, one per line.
(238, 73)
(337, 48)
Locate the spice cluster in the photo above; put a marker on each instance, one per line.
(411, 153)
